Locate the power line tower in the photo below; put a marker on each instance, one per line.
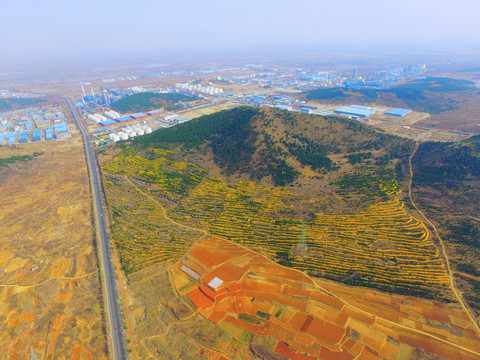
(302, 242)
(32, 354)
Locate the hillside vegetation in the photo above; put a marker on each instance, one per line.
(383, 247)
(447, 184)
(278, 145)
(149, 101)
(16, 103)
(431, 94)
(322, 195)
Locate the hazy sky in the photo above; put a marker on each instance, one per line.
(40, 28)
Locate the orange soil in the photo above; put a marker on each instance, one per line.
(321, 319)
(56, 329)
(13, 321)
(76, 352)
(199, 299)
(29, 316)
(64, 297)
(88, 355)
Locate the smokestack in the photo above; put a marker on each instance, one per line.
(83, 91)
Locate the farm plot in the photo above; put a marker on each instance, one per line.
(305, 319)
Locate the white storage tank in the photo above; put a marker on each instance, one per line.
(101, 117)
(148, 130)
(132, 134)
(123, 136)
(93, 118)
(109, 115)
(140, 132)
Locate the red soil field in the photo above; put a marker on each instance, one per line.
(312, 318)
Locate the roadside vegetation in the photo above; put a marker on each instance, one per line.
(4, 162)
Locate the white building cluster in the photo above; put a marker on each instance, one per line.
(96, 118)
(112, 114)
(210, 90)
(129, 132)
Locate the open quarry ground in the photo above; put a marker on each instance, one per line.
(50, 297)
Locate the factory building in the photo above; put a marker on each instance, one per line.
(112, 114)
(123, 119)
(283, 107)
(154, 112)
(23, 138)
(398, 112)
(355, 110)
(138, 116)
(36, 135)
(107, 123)
(60, 129)
(10, 137)
(48, 134)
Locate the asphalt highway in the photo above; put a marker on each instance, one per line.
(112, 304)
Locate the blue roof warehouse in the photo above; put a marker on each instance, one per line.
(355, 110)
(398, 112)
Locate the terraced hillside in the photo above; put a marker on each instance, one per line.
(161, 206)
(289, 199)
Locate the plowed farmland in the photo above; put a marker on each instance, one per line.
(50, 299)
(316, 319)
(255, 308)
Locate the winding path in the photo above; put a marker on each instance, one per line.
(442, 246)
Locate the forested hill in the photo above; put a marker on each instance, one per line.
(432, 94)
(279, 145)
(7, 104)
(149, 101)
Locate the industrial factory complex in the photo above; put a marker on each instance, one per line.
(32, 125)
(283, 90)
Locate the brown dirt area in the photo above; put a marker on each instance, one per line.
(49, 289)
